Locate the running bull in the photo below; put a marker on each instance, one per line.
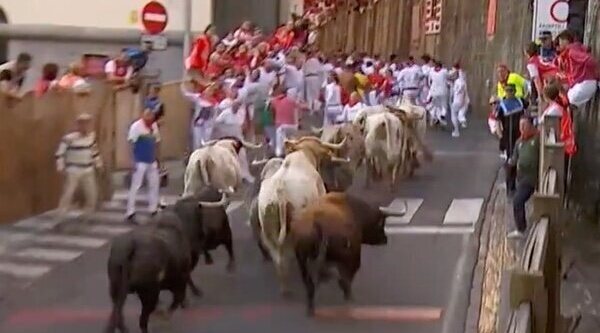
(156, 257)
(328, 233)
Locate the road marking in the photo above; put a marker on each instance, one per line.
(7, 237)
(48, 254)
(381, 313)
(463, 211)
(413, 204)
(143, 198)
(109, 230)
(71, 240)
(428, 230)
(449, 153)
(27, 271)
(38, 223)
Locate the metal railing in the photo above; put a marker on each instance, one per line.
(535, 282)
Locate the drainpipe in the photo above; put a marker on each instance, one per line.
(187, 26)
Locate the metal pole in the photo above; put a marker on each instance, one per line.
(187, 26)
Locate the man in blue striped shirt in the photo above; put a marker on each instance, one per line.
(144, 138)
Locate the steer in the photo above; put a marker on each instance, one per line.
(383, 143)
(329, 232)
(156, 257)
(293, 186)
(216, 164)
(336, 176)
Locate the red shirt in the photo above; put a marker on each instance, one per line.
(41, 87)
(566, 124)
(284, 109)
(198, 58)
(545, 70)
(577, 64)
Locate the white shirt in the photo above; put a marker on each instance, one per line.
(410, 77)
(350, 112)
(11, 66)
(438, 81)
(293, 78)
(459, 91)
(78, 153)
(111, 68)
(267, 79)
(533, 71)
(312, 66)
(333, 97)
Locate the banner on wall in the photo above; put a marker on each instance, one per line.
(549, 15)
(433, 17)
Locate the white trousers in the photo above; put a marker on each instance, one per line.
(202, 132)
(150, 170)
(411, 95)
(457, 115)
(281, 134)
(313, 88)
(439, 107)
(243, 159)
(74, 179)
(582, 92)
(331, 114)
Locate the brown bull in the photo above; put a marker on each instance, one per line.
(329, 232)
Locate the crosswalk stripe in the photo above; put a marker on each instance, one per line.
(109, 230)
(143, 198)
(88, 242)
(48, 254)
(39, 224)
(7, 236)
(412, 204)
(463, 211)
(428, 230)
(27, 271)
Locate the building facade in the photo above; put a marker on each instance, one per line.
(60, 31)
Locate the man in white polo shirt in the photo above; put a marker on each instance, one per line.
(144, 138)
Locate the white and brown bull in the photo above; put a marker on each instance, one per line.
(292, 187)
(217, 165)
(339, 176)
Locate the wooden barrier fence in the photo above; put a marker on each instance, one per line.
(32, 128)
(536, 281)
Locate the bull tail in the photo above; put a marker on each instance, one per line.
(282, 203)
(321, 252)
(204, 170)
(389, 135)
(119, 269)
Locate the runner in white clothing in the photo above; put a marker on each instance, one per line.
(438, 94)
(312, 77)
(333, 100)
(459, 100)
(409, 80)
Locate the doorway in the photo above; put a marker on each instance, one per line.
(3, 40)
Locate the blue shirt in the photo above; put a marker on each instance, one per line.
(510, 106)
(144, 141)
(547, 54)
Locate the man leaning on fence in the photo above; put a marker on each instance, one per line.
(78, 157)
(526, 159)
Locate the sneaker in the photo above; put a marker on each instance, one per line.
(515, 234)
(455, 134)
(131, 219)
(503, 156)
(463, 124)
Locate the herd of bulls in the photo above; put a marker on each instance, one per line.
(298, 208)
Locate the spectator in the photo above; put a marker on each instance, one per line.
(547, 48)
(119, 71)
(154, 103)
(287, 118)
(7, 86)
(78, 157)
(525, 159)
(145, 139)
(74, 79)
(539, 71)
(48, 79)
(508, 111)
(203, 47)
(506, 77)
(18, 68)
(579, 67)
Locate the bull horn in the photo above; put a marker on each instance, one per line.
(390, 212)
(250, 145)
(316, 130)
(261, 162)
(333, 145)
(209, 204)
(340, 160)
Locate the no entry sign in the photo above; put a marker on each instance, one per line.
(154, 17)
(550, 15)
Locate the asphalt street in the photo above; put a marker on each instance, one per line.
(419, 281)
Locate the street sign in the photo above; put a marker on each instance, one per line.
(157, 42)
(154, 17)
(550, 15)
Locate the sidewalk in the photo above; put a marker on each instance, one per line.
(581, 289)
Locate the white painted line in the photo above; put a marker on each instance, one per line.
(7, 237)
(428, 230)
(413, 204)
(39, 224)
(27, 271)
(142, 197)
(109, 230)
(88, 242)
(463, 211)
(48, 254)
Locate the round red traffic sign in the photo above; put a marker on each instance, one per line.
(559, 11)
(154, 17)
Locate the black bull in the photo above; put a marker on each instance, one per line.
(162, 255)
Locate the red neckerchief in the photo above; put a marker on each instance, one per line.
(528, 135)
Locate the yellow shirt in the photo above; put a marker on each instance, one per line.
(363, 82)
(520, 85)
